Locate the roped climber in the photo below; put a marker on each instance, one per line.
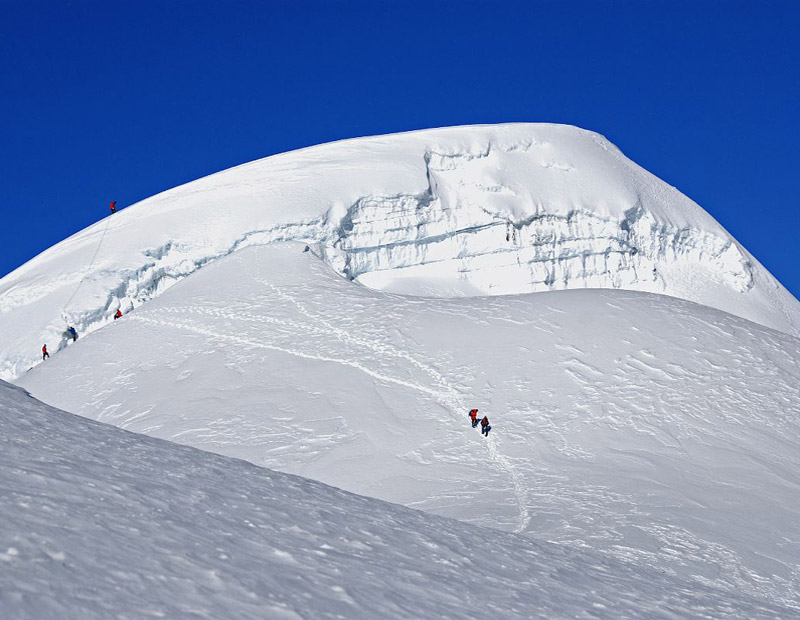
(74, 334)
(473, 415)
(113, 206)
(118, 314)
(485, 428)
(45, 354)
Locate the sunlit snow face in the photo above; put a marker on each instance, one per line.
(461, 212)
(510, 220)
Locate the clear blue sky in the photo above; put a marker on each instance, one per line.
(120, 100)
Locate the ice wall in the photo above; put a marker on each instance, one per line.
(471, 228)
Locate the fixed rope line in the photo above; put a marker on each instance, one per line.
(88, 269)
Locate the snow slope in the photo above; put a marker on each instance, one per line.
(664, 434)
(661, 434)
(461, 211)
(100, 523)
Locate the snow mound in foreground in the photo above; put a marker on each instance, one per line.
(659, 432)
(482, 210)
(101, 523)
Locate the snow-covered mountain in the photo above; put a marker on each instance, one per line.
(100, 523)
(661, 431)
(461, 211)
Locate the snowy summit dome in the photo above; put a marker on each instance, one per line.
(464, 211)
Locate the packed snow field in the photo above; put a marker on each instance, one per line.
(466, 210)
(657, 431)
(101, 523)
(335, 312)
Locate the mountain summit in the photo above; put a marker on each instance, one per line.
(333, 313)
(464, 211)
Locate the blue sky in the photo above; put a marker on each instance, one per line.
(117, 101)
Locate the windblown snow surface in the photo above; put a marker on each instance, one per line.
(660, 432)
(101, 523)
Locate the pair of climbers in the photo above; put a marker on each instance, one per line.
(485, 427)
(72, 333)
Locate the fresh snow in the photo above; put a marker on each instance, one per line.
(657, 431)
(101, 523)
(462, 211)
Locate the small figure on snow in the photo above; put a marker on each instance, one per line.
(113, 206)
(45, 354)
(118, 314)
(485, 428)
(71, 331)
(473, 415)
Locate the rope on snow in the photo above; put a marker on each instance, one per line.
(86, 273)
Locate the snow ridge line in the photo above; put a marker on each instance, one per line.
(451, 400)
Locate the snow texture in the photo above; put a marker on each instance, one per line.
(451, 212)
(102, 523)
(664, 434)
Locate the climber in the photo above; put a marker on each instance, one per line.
(45, 354)
(485, 428)
(473, 415)
(71, 331)
(118, 314)
(113, 206)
